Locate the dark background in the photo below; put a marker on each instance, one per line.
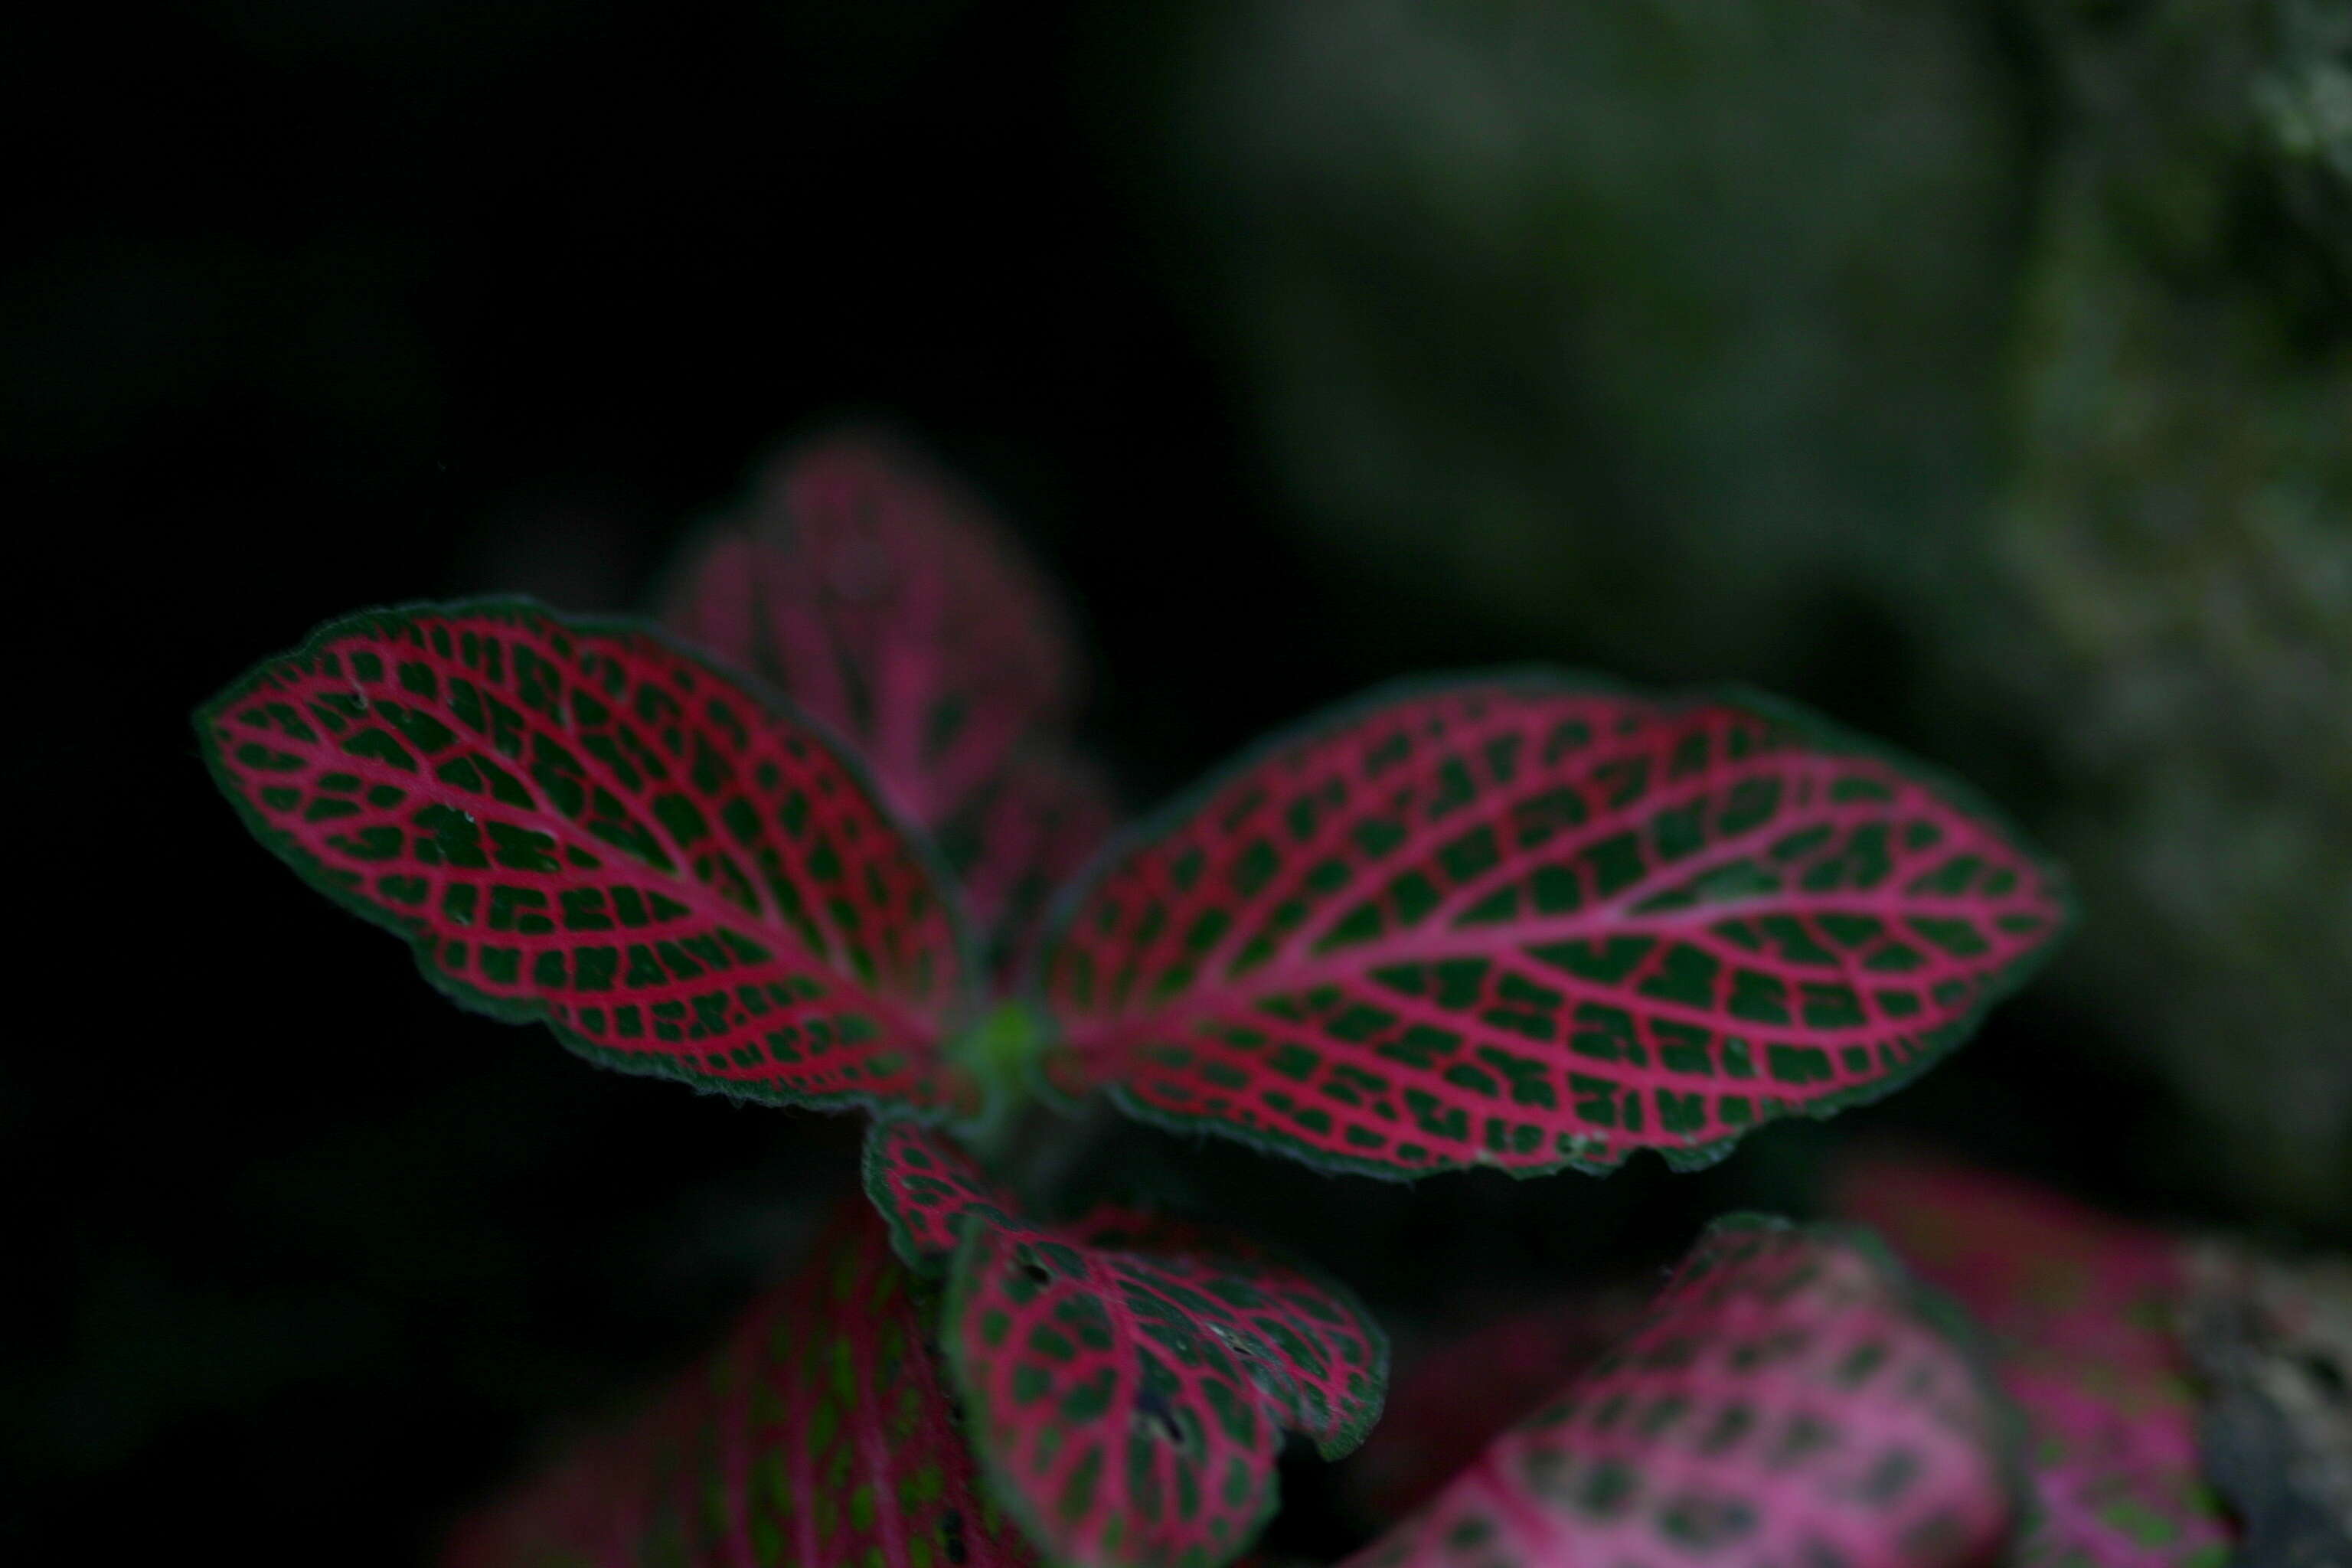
(315, 306)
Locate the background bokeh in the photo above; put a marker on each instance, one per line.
(1978, 374)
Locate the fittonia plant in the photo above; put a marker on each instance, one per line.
(792, 845)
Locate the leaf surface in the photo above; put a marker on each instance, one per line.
(579, 822)
(1127, 1377)
(821, 1432)
(1785, 1403)
(2079, 1309)
(2033, 1265)
(925, 1185)
(870, 591)
(1514, 921)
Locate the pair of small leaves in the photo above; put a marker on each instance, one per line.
(1127, 1377)
(1788, 1400)
(821, 1432)
(2080, 1309)
(895, 611)
(1502, 921)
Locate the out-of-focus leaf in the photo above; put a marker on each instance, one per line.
(820, 1433)
(1027, 835)
(2080, 1309)
(1787, 1402)
(869, 590)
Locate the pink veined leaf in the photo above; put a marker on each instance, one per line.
(872, 592)
(1787, 1402)
(1450, 1397)
(578, 823)
(2033, 1265)
(925, 1186)
(1127, 1377)
(1514, 922)
(2114, 1466)
(1027, 834)
(2079, 1307)
(821, 1432)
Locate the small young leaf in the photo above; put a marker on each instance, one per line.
(895, 609)
(2079, 1310)
(822, 1432)
(924, 1186)
(1127, 1377)
(1512, 922)
(578, 823)
(1786, 1403)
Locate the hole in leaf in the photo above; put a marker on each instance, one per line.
(1031, 1268)
(1261, 1373)
(1153, 1409)
(951, 1538)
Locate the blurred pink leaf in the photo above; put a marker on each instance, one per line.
(1787, 1402)
(821, 1432)
(873, 594)
(2080, 1310)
